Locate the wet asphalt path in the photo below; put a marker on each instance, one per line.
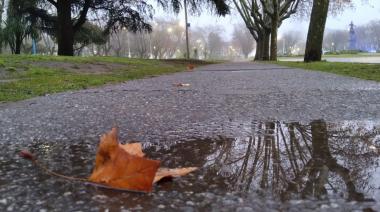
(154, 109)
(219, 99)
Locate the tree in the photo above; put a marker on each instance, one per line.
(316, 30)
(243, 39)
(166, 38)
(369, 36)
(2, 6)
(318, 17)
(115, 14)
(290, 42)
(18, 26)
(263, 18)
(214, 44)
(281, 10)
(258, 24)
(199, 40)
(139, 44)
(88, 34)
(118, 42)
(336, 40)
(71, 15)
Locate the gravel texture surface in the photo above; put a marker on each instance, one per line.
(155, 110)
(217, 94)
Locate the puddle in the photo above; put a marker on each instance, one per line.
(275, 165)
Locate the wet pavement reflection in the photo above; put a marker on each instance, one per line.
(276, 165)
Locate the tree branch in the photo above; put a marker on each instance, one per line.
(54, 3)
(83, 15)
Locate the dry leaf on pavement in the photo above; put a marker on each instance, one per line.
(124, 166)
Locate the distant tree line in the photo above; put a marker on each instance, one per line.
(367, 38)
(72, 27)
(69, 21)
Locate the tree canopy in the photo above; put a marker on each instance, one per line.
(18, 26)
(64, 18)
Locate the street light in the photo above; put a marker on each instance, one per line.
(181, 24)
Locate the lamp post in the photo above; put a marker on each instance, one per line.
(187, 32)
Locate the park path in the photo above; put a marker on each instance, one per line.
(218, 94)
(225, 108)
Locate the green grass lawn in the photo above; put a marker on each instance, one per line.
(353, 55)
(358, 70)
(23, 77)
(337, 56)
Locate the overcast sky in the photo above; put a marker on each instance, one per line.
(361, 14)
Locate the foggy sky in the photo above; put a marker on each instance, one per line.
(361, 14)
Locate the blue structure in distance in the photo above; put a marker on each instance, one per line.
(352, 40)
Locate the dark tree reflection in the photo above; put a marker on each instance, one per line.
(291, 160)
(286, 160)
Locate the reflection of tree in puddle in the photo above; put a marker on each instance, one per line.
(300, 159)
(288, 159)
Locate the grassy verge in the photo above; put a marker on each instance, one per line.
(335, 56)
(358, 70)
(352, 55)
(23, 77)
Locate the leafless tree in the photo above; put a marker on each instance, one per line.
(140, 46)
(243, 40)
(263, 18)
(214, 44)
(292, 159)
(166, 38)
(335, 40)
(291, 41)
(368, 36)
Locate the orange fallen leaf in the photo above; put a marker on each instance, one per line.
(117, 168)
(163, 173)
(133, 149)
(190, 67)
(124, 166)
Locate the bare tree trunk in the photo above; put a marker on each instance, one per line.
(317, 25)
(65, 34)
(2, 6)
(107, 47)
(262, 49)
(18, 44)
(259, 48)
(265, 48)
(274, 29)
